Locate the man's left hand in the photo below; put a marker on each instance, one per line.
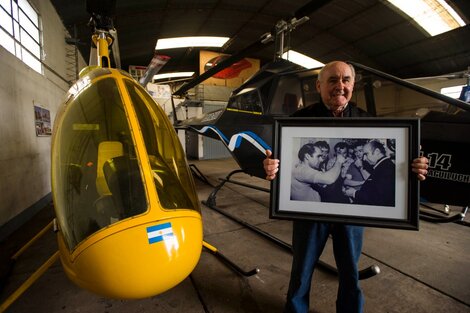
(420, 167)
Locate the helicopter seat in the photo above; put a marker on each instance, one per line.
(125, 183)
(104, 205)
(106, 151)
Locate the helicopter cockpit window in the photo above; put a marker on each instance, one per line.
(309, 90)
(96, 174)
(173, 181)
(389, 97)
(249, 101)
(288, 97)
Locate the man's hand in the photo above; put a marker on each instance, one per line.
(420, 167)
(271, 166)
(340, 159)
(350, 192)
(358, 163)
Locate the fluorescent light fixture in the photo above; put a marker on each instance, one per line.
(173, 75)
(301, 59)
(453, 91)
(184, 42)
(435, 16)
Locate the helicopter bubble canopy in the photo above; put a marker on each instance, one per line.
(126, 206)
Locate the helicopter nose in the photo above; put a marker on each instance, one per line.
(138, 262)
(129, 222)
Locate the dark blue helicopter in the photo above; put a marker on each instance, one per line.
(245, 126)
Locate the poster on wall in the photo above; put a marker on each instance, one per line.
(42, 119)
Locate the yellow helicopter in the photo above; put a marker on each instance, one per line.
(128, 219)
(127, 211)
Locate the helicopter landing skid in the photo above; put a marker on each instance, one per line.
(436, 218)
(198, 174)
(211, 203)
(33, 277)
(228, 262)
(212, 197)
(363, 274)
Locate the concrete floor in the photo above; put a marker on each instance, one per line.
(421, 272)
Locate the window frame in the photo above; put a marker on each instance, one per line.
(25, 46)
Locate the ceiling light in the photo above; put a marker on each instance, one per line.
(300, 59)
(435, 16)
(184, 42)
(173, 75)
(453, 91)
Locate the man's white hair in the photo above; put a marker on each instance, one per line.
(353, 71)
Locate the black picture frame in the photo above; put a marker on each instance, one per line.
(294, 196)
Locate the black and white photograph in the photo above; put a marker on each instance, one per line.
(356, 171)
(342, 170)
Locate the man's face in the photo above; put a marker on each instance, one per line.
(359, 152)
(342, 151)
(371, 156)
(317, 158)
(336, 85)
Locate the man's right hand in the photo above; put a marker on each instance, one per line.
(358, 163)
(340, 159)
(271, 166)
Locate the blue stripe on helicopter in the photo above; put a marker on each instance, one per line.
(214, 129)
(255, 139)
(158, 233)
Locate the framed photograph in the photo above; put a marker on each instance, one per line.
(353, 170)
(42, 119)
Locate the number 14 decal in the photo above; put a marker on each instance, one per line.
(439, 161)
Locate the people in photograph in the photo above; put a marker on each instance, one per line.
(351, 152)
(334, 192)
(335, 84)
(390, 149)
(358, 171)
(379, 188)
(308, 172)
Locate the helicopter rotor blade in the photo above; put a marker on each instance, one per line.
(156, 64)
(305, 10)
(219, 67)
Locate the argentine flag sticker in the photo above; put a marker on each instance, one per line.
(160, 232)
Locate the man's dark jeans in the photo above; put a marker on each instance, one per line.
(308, 240)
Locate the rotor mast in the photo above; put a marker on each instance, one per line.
(101, 22)
(102, 41)
(281, 35)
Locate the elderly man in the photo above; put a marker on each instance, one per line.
(335, 84)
